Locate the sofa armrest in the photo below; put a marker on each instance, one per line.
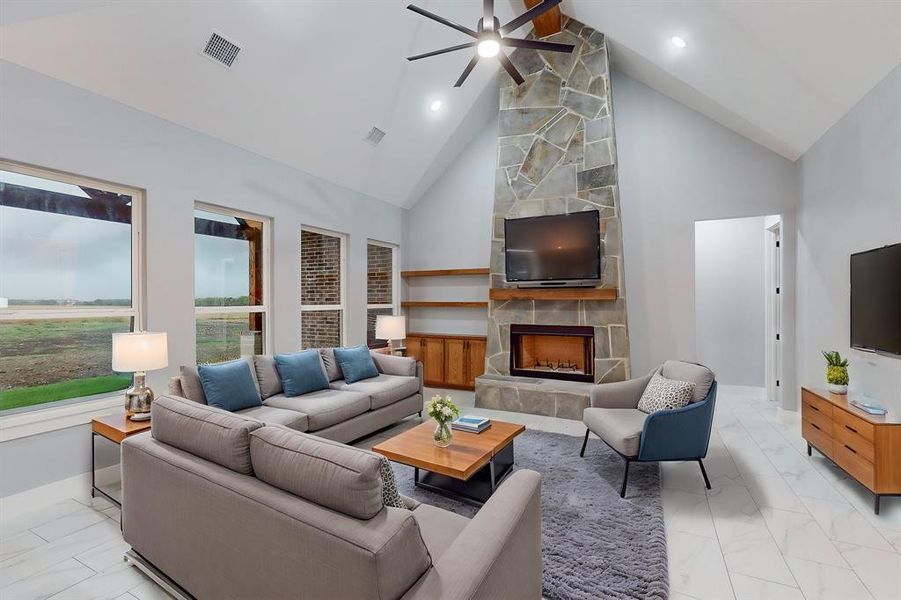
(620, 394)
(393, 365)
(498, 555)
(679, 434)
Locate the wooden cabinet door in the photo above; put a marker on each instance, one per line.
(433, 360)
(414, 348)
(455, 362)
(476, 364)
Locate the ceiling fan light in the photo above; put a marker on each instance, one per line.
(488, 48)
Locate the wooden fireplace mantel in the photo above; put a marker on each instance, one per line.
(553, 294)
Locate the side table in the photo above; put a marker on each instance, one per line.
(114, 428)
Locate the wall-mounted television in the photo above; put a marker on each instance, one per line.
(876, 300)
(554, 250)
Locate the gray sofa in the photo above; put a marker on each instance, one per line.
(344, 412)
(224, 507)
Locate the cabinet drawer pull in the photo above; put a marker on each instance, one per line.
(815, 426)
(849, 428)
(812, 407)
(850, 448)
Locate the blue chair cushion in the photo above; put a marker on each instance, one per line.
(301, 372)
(356, 363)
(229, 385)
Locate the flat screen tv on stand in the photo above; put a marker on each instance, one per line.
(554, 250)
(876, 300)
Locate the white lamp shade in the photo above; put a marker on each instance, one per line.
(139, 351)
(390, 327)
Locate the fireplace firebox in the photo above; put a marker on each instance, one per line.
(552, 351)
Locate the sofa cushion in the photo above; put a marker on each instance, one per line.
(301, 372)
(381, 389)
(191, 385)
(356, 363)
(390, 495)
(331, 364)
(697, 374)
(269, 415)
(325, 407)
(394, 365)
(230, 385)
(619, 427)
(439, 528)
(267, 375)
(665, 394)
(205, 431)
(333, 475)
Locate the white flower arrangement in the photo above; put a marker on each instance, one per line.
(442, 409)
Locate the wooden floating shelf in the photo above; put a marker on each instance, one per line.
(553, 294)
(444, 304)
(444, 273)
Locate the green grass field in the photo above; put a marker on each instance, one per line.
(56, 359)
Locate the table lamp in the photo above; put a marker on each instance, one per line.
(391, 328)
(137, 353)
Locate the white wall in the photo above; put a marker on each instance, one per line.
(450, 228)
(52, 124)
(730, 300)
(677, 167)
(850, 200)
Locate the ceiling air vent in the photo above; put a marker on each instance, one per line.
(221, 50)
(375, 136)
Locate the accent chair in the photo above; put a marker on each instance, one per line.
(666, 435)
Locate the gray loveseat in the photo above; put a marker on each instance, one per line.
(224, 507)
(344, 412)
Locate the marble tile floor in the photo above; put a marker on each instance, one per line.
(776, 525)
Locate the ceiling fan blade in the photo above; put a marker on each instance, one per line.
(529, 15)
(443, 21)
(537, 45)
(508, 64)
(488, 15)
(467, 70)
(442, 51)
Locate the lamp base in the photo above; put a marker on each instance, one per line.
(139, 397)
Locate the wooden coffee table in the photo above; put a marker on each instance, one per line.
(470, 469)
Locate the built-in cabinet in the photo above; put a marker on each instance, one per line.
(452, 361)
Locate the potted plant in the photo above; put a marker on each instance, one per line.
(836, 372)
(443, 410)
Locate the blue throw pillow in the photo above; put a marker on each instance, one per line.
(356, 363)
(301, 372)
(229, 385)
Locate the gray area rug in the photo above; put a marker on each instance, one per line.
(595, 544)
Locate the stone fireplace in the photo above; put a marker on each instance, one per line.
(552, 351)
(556, 155)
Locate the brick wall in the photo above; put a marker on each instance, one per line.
(371, 315)
(379, 274)
(320, 268)
(320, 329)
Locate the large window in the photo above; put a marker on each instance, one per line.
(381, 282)
(231, 256)
(322, 289)
(70, 277)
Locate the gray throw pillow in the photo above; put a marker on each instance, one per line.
(390, 495)
(665, 394)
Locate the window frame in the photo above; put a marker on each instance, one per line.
(394, 305)
(48, 410)
(266, 307)
(342, 277)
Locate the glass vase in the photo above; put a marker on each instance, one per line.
(443, 435)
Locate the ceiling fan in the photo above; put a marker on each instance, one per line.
(489, 37)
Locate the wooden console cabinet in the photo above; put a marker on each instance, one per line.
(449, 361)
(867, 447)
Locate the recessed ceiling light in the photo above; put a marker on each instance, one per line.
(435, 106)
(678, 42)
(489, 48)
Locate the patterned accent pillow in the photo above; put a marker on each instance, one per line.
(390, 495)
(665, 394)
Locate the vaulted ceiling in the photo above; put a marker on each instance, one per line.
(313, 77)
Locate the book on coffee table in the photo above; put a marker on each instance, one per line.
(472, 423)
